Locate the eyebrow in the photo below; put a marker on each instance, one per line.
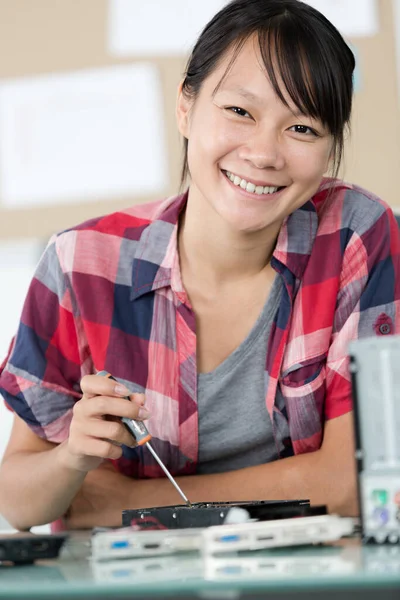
(238, 89)
(248, 95)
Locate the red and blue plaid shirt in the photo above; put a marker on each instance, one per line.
(108, 295)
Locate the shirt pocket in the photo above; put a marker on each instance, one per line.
(309, 374)
(303, 390)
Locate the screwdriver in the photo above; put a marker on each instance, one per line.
(143, 437)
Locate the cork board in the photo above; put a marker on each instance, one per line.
(60, 36)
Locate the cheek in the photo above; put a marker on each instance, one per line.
(212, 136)
(307, 162)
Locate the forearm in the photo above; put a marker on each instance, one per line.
(36, 487)
(105, 494)
(299, 477)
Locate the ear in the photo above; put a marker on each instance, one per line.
(183, 106)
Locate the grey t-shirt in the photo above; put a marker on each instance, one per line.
(235, 429)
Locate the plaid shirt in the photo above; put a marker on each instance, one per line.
(108, 295)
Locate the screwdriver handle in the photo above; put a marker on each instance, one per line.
(136, 428)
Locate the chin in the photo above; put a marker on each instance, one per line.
(243, 223)
(246, 226)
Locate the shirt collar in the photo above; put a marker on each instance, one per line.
(296, 239)
(299, 230)
(156, 262)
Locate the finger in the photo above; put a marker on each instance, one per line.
(102, 449)
(114, 431)
(95, 385)
(138, 398)
(102, 386)
(99, 406)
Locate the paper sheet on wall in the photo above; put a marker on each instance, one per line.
(353, 18)
(170, 27)
(157, 27)
(86, 135)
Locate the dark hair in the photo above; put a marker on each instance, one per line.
(311, 57)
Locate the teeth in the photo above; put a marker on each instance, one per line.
(250, 187)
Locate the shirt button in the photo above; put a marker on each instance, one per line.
(384, 328)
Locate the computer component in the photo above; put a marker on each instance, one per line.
(375, 369)
(25, 548)
(275, 534)
(205, 514)
(221, 539)
(130, 543)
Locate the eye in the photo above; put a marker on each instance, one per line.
(304, 130)
(239, 111)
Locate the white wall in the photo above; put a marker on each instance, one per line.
(17, 264)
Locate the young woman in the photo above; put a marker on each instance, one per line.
(225, 312)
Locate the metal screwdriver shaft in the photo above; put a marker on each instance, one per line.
(140, 433)
(168, 474)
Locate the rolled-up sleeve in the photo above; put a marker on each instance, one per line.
(368, 303)
(39, 379)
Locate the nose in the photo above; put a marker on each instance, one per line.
(263, 150)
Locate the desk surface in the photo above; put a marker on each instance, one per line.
(347, 570)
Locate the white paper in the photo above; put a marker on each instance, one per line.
(353, 18)
(157, 27)
(171, 27)
(89, 135)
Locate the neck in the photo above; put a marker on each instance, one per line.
(210, 250)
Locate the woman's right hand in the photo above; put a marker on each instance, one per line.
(96, 430)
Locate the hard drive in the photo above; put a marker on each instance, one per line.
(214, 513)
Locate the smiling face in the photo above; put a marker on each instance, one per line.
(252, 160)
